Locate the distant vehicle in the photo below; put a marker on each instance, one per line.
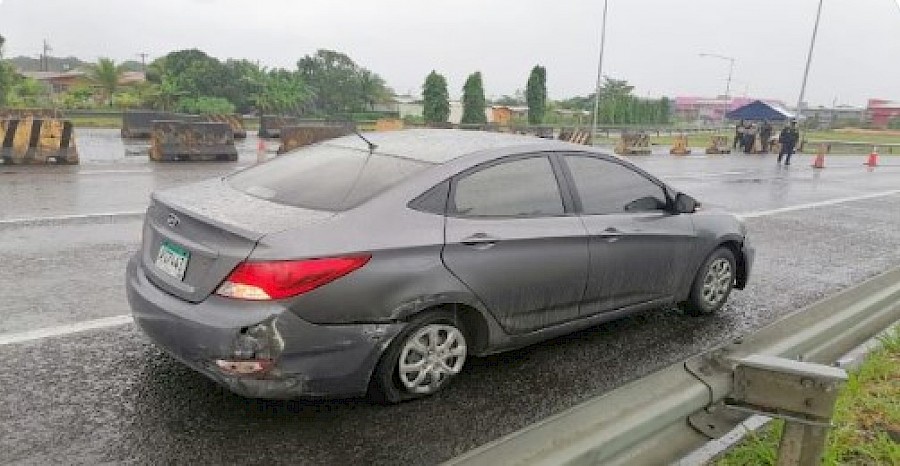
(343, 269)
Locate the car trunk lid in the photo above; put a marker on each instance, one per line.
(195, 235)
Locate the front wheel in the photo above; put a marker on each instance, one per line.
(713, 284)
(421, 360)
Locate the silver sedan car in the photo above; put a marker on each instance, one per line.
(378, 266)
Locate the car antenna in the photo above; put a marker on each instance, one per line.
(372, 145)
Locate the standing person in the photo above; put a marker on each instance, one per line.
(738, 134)
(750, 138)
(765, 135)
(788, 139)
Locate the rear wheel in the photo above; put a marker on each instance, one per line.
(421, 360)
(713, 284)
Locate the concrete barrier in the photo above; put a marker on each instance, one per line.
(37, 141)
(139, 123)
(235, 122)
(22, 113)
(175, 141)
(270, 125)
(388, 124)
(633, 144)
(293, 137)
(718, 145)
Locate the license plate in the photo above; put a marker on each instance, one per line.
(172, 260)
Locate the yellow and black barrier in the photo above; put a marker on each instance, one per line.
(680, 146)
(37, 141)
(294, 137)
(235, 122)
(177, 141)
(270, 125)
(576, 136)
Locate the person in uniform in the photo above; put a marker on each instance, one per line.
(788, 139)
(765, 134)
(738, 135)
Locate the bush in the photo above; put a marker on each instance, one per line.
(204, 105)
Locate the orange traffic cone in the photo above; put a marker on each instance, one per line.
(873, 157)
(819, 162)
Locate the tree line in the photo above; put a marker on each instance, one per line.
(326, 84)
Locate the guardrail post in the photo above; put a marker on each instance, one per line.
(801, 444)
(801, 393)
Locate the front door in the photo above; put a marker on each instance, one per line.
(639, 249)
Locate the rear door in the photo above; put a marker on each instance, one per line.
(639, 249)
(512, 239)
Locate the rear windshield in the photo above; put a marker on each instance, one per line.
(324, 177)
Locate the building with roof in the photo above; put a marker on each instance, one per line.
(712, 109)
(62, 81)
(879, 113)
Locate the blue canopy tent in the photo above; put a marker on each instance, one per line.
(759, 110)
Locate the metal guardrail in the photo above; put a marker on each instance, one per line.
(668, 414)
(832, 143)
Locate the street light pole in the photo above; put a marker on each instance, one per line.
(731, 61)
(812, 44)
(599, 74)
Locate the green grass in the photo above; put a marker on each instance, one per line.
(96, 122)
(867, 409)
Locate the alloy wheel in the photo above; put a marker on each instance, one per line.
(430, 357)
(718, 282)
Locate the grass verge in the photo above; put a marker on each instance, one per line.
(866, 425)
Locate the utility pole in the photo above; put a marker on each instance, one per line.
(45, 57)
(144, 56)
(812, 44)
(730, 61)
(599, 74)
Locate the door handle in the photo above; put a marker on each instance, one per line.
(479, 241)
(611, 234)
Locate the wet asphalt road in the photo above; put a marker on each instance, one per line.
(109, 396)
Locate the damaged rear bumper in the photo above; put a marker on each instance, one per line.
(309, 360)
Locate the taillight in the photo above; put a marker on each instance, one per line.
(283, 279)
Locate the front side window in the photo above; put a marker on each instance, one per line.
(606, 187)
(523, 187)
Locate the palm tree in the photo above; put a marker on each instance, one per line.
(164, 95)
(106, 74)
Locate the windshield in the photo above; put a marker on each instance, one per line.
(325, 177)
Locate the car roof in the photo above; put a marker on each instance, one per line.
(438, 146)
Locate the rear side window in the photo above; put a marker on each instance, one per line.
(607, 187)
(523, 187)
(324, 177)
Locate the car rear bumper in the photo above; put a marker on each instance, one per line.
(309, 360)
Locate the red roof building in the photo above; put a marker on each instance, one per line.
(881, 112)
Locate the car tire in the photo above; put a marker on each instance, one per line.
(713, 284)
(421, 360)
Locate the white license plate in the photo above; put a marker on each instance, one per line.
(172, 260)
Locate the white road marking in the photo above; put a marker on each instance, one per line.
(812, 205)
(39, 334)
(112, 172)
(115, 321)
(69, 218)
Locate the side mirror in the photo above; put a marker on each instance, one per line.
(685, 204)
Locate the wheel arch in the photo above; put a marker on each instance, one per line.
(734, 243)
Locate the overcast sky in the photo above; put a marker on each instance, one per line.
(654, 44)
